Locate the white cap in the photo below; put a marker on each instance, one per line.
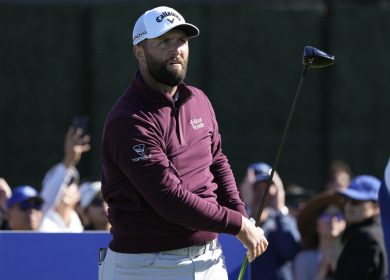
(88, 191)
(158, 21)
(54, 182)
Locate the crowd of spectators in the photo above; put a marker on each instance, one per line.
(63, 204)
(335, 234)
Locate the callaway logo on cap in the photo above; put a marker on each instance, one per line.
(158, 21)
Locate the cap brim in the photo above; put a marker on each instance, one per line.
(11, 203)
(189, 29)
(38, 199)
(262, 177)
(356, 195)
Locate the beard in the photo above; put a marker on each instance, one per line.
(159, 70)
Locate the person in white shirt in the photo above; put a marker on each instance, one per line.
(60, 187)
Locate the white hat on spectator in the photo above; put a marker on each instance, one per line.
(88, 192)
(54, 182)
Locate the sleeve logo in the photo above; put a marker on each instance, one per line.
(140, 150)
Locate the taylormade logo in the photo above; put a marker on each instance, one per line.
(167, 14)
(140, 149)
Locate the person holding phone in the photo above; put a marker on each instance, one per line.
(60, 186)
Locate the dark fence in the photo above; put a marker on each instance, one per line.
(60, 61)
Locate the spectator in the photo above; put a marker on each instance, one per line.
(60, 187)
(5, 194)
(384, 203)
(321, 223)
(339, 176)
(296, 197)
(24, 209)
(363, 255)
(93, 207)
(279, 227)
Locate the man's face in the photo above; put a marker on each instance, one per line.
(25, 215)
(167, 57)
(357, 211)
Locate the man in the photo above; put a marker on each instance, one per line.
(169, 187)
(279, 227)
(24, 209)
(363, 255)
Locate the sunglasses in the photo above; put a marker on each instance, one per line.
(30, 204)
(97, 201)
(327, 216)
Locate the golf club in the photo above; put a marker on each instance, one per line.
(312, 58)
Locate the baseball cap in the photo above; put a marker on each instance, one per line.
(262, 171)
(88, 191)
(23, 193)
(363, 187)
(156, 22)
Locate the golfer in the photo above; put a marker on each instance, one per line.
(169, 187)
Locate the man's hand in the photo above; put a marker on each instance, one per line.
(75, 144)
(252, 238)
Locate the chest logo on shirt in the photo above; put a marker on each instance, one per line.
(140, 150)
(197, 123)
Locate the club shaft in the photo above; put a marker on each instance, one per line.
(276, 162)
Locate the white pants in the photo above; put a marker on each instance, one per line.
(191, 263)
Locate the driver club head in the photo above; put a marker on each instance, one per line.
(315, 58)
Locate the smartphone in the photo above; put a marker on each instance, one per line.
(81, 122)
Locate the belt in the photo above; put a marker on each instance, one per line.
(193, 251)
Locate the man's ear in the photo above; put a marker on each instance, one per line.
(139, 53)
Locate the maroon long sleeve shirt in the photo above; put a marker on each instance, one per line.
(166, 181)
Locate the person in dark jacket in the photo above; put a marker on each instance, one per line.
(279, 227)
(363, 255)
(167, 183)
(384, 204)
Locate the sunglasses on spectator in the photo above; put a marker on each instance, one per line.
(30, 204)
(97, 201)
(328, 216)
